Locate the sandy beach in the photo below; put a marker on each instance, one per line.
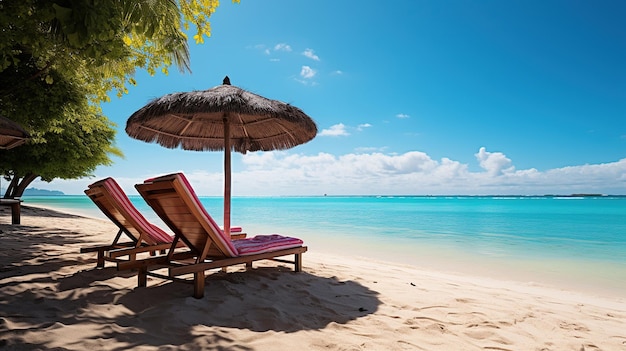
(53, 297)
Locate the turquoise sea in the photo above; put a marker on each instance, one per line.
(563, 241)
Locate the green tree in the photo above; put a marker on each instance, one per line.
(60, 59)
(74, 147)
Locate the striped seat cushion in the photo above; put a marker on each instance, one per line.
(265, 243)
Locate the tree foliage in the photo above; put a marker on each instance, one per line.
(59, 59)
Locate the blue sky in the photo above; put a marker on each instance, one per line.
(410, 97)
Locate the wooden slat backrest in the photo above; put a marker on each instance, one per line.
(105, 203)
(178, 207)
(218, 246)
(116, 205)
(163, 199)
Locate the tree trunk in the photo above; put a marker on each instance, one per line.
(17, 186)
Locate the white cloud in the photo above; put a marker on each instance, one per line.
(268, 51)
(337, 72)
(360, 127)
(495, 163)
(282, 47)
(417, 173)
(402, 115)
(336, 130)
(374, 172)
(311, 54)
(260, 47)
(307, 72)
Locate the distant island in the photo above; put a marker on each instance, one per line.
(41, 192)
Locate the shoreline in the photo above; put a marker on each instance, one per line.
(53, 297)
(588, 277)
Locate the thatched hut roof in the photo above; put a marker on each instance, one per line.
(11, 134)
(195, 121)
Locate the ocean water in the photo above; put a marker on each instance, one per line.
(573, 241)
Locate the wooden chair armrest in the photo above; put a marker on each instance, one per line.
(238, 236)
(107, 247)
(140, 249)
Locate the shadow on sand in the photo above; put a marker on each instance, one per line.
(45, 284)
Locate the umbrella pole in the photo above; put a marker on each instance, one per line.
(227, 180)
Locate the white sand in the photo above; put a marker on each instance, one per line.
(52, 297)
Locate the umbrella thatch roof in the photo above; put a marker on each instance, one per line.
(11, 134)
(195, 121)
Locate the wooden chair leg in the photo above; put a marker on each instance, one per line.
(15, 213)
(142, 277)
(298, 263)
(198, 285)
(100, 262)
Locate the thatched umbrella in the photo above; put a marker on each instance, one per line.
(11, 134)
(221, 118)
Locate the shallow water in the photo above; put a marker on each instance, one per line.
(578, 241)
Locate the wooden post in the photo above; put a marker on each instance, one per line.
(227, 179)
(198, 285)
(15, 212)
(142, 277)
(298, 263)
(15, 209)
(100, 262)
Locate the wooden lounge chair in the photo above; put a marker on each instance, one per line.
(144, 237)
(207, 247)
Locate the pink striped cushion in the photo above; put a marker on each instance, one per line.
(130, 211)
(265, 243)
